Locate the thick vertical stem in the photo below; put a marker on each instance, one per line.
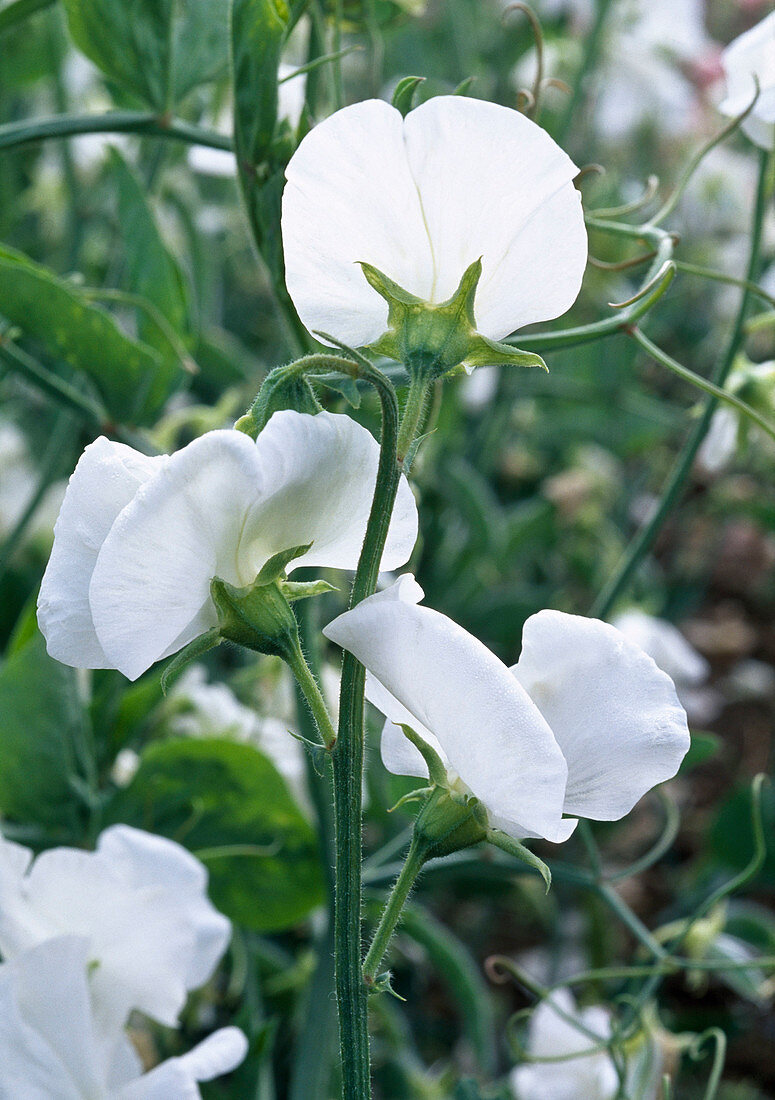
(347, 761)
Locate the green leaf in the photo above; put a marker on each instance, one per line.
(131, 377)
(151, 269)
(42, 721)
(259, 29)
(156, 49)
(227, 802)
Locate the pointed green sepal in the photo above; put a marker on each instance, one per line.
(283, 388)
(508, 844)
(258, 617)
(436, 770)
(302, 590)
(191, 652)
(274, 568)
(412, 796)
(494, 353)
(403, 96)
(383, 983)
(433, 340)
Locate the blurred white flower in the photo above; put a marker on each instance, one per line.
(139, 539)
(421, 199)
(139, 901)
(647, 72)
(671, 652)
(213, 710)
(559, 1030)
(52, 1048)
(584, 724)
(746, 61)
(755, 384)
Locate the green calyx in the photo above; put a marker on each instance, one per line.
(451, 819)
(432, 340)
(260, 616)
(283, 388)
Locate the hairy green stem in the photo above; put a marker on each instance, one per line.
(313, 1054)
(15, 134)
(347, 761)
(645, 538)
(313, 696)
(398, 896)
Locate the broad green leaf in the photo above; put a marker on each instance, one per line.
(157, 49)
(152, 270)
(226, 802)
(133, 379)
(41, 723)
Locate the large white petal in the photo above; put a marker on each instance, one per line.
(349, 198)
(105, 480)
(319, 474)
(140, 903)
(615, 715)
(494, 185)
(151, 583)
(666, 645)
(47, 1046)
(219, 1053)
(492, 735)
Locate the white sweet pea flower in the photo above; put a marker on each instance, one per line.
(139, 539)
(52, 1048)
(584, 724)
(423, 198)
(571, 1038)
(751, 58)
(140, 903)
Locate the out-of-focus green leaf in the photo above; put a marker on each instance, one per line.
(41, 721)
(227, 803)
(259, 29)
(704, 747)
(157, 49)
(152, 270)
(18, 10)
(133, 379)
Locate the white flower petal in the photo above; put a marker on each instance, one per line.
(492, 735)
(592, 1075)
(220, 1053)
(221, 507)
(105, 480)
(47, 1046)
(422, 199)
(494, 185)
(615, 715)
(751, 58)
(319, 474)
(349, 198)
(666, 645)
(139, 901)
(152, 577)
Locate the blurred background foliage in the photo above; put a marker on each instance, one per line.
(141, 296)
